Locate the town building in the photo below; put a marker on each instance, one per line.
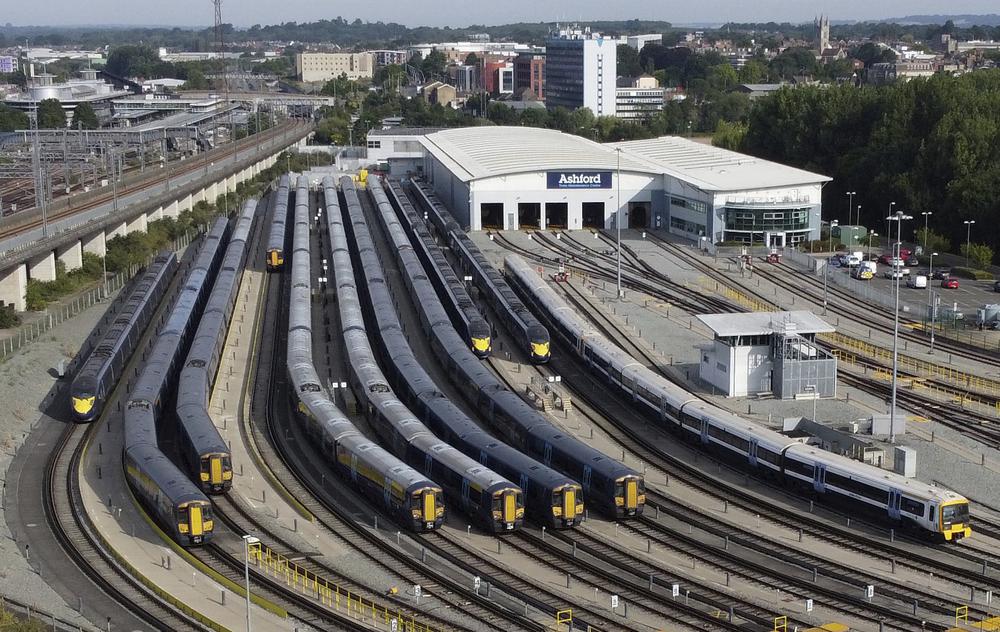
(822, 40)
(326, 66)
(529, 75)
(520, 177)
(8, 64)
(581, 71)
(389, 57)
(465, 78)
(87, 89)
(638, 98)
(440, 93)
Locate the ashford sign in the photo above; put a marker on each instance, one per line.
(579, 179)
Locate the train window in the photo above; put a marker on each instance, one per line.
(911, 506)
(763, 454)
(798, 467)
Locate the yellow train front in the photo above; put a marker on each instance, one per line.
(567, 506)
(506, 508)
(275, 258)
(953, 522)
(215, 473)
(539, 344)
(630, 496)
(426, 508)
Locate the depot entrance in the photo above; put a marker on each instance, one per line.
(491, 215)
(556, 214)
(638, 214)
(529, 214)
(593, 215)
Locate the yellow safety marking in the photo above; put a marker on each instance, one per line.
(961, 614)
(564, 616)
(780, 624)
(327, 593)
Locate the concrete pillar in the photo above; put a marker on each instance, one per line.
(185, 203)
(115, 230)
(71, 255)
(13, 286)
(138, 224)
(95, 244)
(43, 267)
(154, 215)
(171, 210)
(231, 182)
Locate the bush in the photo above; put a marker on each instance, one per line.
(971, 273)
(980, 255)
(8, 317)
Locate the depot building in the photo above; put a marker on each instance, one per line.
(511, 178)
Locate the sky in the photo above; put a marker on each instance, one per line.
(466, 12)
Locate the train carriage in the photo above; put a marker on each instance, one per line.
(412, 499)
(859, 486)
(275, 253)
(99, 374)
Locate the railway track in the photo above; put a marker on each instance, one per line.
(16, 224)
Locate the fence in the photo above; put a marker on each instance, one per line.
(329, 594)
(47, 619)
(54, 317)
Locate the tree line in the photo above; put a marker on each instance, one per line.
(929, 145)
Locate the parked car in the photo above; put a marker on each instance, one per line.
(853, 261)
(912, 261)
(835, 261)
(917, 281)
(885, 259)
(996, 286)
(951, 283)
(941, 273)
(894, 273)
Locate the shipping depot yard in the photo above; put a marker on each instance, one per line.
(489, 336)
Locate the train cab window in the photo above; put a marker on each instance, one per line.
(911, 506)
(955, 513)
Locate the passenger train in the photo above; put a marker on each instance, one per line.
(450, 289)
(177, 503)
(207, 455)
(488, 498)
(529, 333)
(276, 236)
(551, 498)
(100, 372)
(843, 481)
(412, 499)
(608, 486)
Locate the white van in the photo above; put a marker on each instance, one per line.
(917, 281)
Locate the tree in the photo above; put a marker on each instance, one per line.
(51, 114)
(628, 61)
(11, 119)
(936, 242)
(472, 60)
(871, 53)
(196, 80)
(434, 64)
(729, 135)
(84, 117)
(980, 255)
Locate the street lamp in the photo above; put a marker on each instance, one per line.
(968, 236)
(248, 541)
(888, 230)
(811, 388)
(926, 215)
(826, 268)
(850, 204)
(870, 235)
(618, 220)
(930, 297)
(859, 215)
(898, 218)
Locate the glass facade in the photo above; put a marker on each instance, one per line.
(748, 224)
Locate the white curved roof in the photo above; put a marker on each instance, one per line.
(481, 152)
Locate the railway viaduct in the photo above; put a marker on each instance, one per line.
(29, 254)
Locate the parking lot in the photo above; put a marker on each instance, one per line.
(969, 296)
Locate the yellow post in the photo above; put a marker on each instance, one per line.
(961, 614)
(780, 624)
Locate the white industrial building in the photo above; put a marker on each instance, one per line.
(326, 66)
(772, 353)
(522, 177)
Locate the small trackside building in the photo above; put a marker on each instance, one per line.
(510, 178)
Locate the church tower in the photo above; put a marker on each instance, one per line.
(822, 24)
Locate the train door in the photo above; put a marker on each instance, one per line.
(215, 470)
(704, 430)
(386, 487)
(354, 468)
(195, 523)
(894, 498)
(547, 454)
(587, 474)
(509, 507)
(430, 508)
(752, 453)
(819, 478)
(428, 465)
(569, 503)
(631, 494)
(465, 492)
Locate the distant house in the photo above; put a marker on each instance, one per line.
(758, 90)
(440, 93)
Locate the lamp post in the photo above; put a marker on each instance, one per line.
(870, 235)
(618, 220)
(968, 236)
(811, 388)
(926, 215)
(248, 541)
(898, 218)
(930, 297)
(859, 216)
(826, 268)
(850, 204)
